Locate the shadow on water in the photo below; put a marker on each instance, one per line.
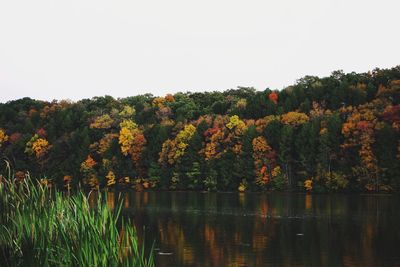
(274, 229)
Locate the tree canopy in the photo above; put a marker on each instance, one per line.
(336, 133)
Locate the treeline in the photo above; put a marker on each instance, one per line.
(337, 133)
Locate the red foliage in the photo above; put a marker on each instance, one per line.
(15, 137)
(363, 125)
(41, 132)
(273, 97)
(210, 131)
(263, 169)
(138, 143)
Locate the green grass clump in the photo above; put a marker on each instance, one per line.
(43, 227)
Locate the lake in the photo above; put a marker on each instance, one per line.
(266, 229)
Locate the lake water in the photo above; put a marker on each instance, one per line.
(272, 229)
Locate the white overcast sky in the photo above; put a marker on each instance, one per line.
(74, 49)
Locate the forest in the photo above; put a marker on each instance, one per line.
(339, 133)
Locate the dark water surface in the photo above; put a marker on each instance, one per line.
(274, 229)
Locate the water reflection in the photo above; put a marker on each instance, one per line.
(229, 229)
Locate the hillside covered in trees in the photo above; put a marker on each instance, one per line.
(337, 133)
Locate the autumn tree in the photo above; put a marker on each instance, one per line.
(264, 160)
(132, 141)
(37, 146)
(89, 173)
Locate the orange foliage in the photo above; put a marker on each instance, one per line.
(67, 182)
(103, 145)
(169, 98)
(19, 176)
(359, 130)
(132, 140)
(214, 148)
(137, 147)
(264, 160)
(89, 163)
(263, 122)
(89, 173)
(223, 136)
(172, 150)
(308, 184)
(37, 146)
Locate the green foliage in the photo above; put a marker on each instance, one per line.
(346, 123)
(336, 181)
(194, 176)
(155, 173)
(279, 182)
(210, 182)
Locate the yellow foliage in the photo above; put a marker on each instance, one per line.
(242, 103)
(210, 151)
(127, 112)
(172, 150)
(46, 182)
(3, 137)
(102, 122)
(294, 118)
(37, 146)
(308, 184)
(158, 102)
(129, 124)
(241, 187)
(235, 121)
(264, 160)
(186, 133)
(359, 130)
(167, 122)
(110, 179)
(40, 147)
(131, 140)
(276, 171)
(125, 140)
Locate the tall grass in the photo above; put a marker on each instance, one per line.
(42, 227)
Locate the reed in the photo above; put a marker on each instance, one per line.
(43, 227)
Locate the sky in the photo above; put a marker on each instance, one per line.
(83, 48)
